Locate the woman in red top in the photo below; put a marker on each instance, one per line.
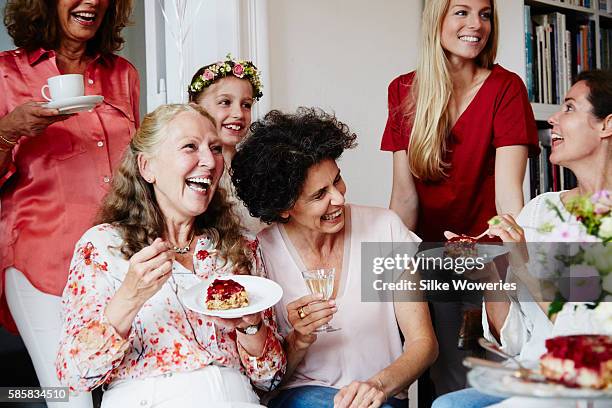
(460, 129)
(54, 168)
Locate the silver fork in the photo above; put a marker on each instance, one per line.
(521, 371)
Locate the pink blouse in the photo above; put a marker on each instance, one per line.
(56, 180)
(165, 335)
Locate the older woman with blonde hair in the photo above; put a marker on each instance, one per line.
(56, 167)
(164, 227)
(460, 128)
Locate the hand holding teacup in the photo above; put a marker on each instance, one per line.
(32, 118)
(29, 119)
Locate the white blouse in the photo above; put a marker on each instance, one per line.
(527, 327)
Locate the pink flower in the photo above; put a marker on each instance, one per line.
(238, 70)
(208, 75)
(602, 202)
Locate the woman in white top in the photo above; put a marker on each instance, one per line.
(582, 142)
(286, 172)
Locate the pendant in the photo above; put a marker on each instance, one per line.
(181, 250)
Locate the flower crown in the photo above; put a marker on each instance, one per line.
(239, 68)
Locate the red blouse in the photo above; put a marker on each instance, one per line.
(499, 115)
(57, 180)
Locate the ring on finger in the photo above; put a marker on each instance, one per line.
(301, 312)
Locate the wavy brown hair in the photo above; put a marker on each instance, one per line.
(33, 24)
(131, 205)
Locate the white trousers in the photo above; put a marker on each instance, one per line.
(37, 315)
(212, 386)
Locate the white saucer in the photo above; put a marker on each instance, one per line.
(75, 104)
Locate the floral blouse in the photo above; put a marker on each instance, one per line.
(165, 335)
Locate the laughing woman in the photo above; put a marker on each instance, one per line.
(286, 174)
(163, 228)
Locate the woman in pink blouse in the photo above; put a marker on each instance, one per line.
(286, 173)
(55, 168)
(164, 227)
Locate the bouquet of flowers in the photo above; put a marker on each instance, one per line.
(590, 256)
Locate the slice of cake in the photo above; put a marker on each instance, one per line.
(579, 361)
(225, 294)
(460, 246)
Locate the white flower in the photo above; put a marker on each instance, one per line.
(600, 256)
(605, 229)
(603, 313)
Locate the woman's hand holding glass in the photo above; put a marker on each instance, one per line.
(306, 315)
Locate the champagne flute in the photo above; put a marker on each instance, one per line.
(321, 281)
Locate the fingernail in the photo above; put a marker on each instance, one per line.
(332, 302)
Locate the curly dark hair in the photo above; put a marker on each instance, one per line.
(33, 24)
(271, 165)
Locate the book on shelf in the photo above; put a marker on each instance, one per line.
(545, 176)
(529, 77)
(556, 49)
(606, 48)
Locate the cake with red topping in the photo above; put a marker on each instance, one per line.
(225, 294)
(460, 246)
(579, 361)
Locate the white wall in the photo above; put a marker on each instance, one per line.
(6, 42)
(511, 49)
(341, 55)
(135, 51)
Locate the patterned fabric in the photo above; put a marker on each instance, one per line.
(165, 335)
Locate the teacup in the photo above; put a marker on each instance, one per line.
(63, 86)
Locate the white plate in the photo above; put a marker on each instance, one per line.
(263, 293)
(504, 384)
(75, 104)
(487, 251)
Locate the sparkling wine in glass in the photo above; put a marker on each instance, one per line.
(321, 281)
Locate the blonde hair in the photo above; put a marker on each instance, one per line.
(131, 205)
(431, 91)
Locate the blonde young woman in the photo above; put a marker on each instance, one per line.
(460, 128)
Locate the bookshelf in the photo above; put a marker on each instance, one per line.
(586, 20)
(561, 38)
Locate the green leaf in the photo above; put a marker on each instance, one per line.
(556, 306)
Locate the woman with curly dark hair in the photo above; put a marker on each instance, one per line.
(56, 164)
(286, 174)
(165, 227)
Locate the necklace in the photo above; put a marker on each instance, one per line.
(184, 249)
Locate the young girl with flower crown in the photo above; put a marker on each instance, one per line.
(227, 90)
